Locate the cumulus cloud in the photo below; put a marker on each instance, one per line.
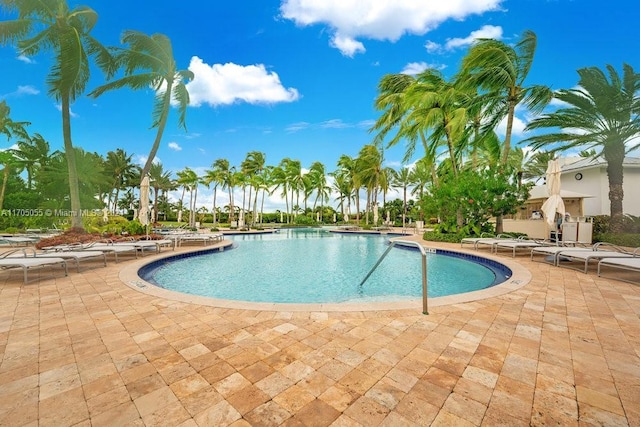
(486, 32)
(174, 146)
(414, 68)
(224, 84)
(378, 19)
(25, 90)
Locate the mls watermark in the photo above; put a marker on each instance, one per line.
(65, 213)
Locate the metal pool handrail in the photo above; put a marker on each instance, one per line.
(425, 308)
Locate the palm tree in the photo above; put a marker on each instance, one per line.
(318, 182)
(279, 178)
(154, 54)
(160, 180)
(252, 166)
(10, 164)
(369, 172)
(602, 114)
(189, 180)
(348, 168)
(403, 178)
(51, 25)
(33, 154)
(500, 71)
(213, 177)
(225, 175)
(120, 166)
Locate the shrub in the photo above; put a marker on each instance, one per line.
(623, 239)
(434, 236)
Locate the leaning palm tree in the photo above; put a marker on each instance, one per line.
(33, 153)
(499, 71)
(51, 25)
(154, 55)
(602, 114)
(120, 166)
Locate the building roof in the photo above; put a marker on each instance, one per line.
(581, 163)
(541, 192)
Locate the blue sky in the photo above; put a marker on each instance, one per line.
(297, 78)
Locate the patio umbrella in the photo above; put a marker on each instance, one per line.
(143, 215)
(105, 215)
(180, 215)
(554, 203)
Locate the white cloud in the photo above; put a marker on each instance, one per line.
(334, 124)
(174, 146)
(486, 32)
(26, 90)
(142, 159)
(347, 45)
(378, 19)
(295, 127)
(71, 113)
(414, 68)
(516, 130)
(224, 84)
(25, 59)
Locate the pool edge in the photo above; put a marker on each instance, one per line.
(129, 276)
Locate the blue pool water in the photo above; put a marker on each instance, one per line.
(316, 266)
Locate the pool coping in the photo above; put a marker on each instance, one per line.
(519, 278)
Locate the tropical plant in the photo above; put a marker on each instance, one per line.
(120, 166)
(33, 154)
(602, 114)
(160, 181)
(51, 25)
(154, 55)
(499, 71)
(403, 179)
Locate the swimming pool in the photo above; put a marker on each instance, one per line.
(315, 266)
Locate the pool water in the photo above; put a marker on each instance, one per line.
(316, 266)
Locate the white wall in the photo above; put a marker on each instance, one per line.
(596, 183)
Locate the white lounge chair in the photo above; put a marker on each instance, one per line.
(628, 264)
(600, 250)
(76, 256)
(520, 244)
(28, 263)
(549, 252)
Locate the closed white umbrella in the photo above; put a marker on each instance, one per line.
(554, 203)
(143, 215)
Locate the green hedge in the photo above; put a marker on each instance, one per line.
(626, 239)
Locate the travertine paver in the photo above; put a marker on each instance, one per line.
(89, 350)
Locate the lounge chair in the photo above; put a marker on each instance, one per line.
(549, 252)
(600, 250)
(204, 238)
(472, 240)
(17, 240)
(628, 264)
(521, 244)
(7, 260)
(492, 242)
(76, 256)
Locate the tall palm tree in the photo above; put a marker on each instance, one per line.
(225, 174)
(213, 177)
(252, 166)
(369, 171)
(51, 25)
(33, 154)
(348, 168)
(120, 166)
(403, 179)
(160, 180)
(154, 55)
(602, 114)
(189, 180)
(318, 182)
(499, 70)
(279, 178)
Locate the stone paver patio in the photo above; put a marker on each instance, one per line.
(88, 349)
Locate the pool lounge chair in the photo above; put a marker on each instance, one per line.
(7, 261)
(600, 250)
(485, 238)
(76, 256)
(205, 239)
(627, 264)
(549, 252)
(521, 244)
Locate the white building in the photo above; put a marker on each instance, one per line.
(589, 176)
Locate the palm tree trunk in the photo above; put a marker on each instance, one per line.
(74, 189)
(166, 105)
(614, 155)
(5, 178)
(215, 188)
